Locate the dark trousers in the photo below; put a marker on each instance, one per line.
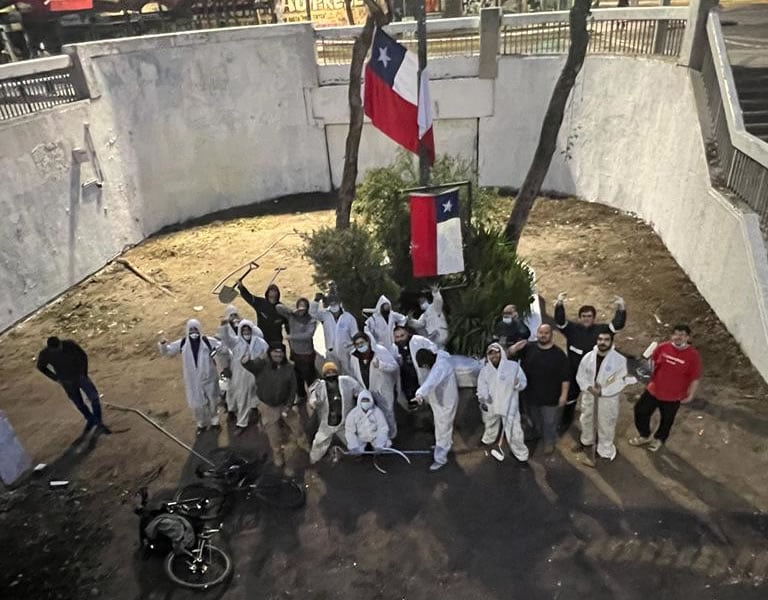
(92, 415)
(569, 410)
(304, 366)
(545, 420)
(645, 408)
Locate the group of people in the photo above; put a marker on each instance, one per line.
(527, 387)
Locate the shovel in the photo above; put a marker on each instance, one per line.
(228, 293)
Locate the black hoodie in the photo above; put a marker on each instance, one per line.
(268, 319)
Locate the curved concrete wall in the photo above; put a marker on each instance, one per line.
(188, 124)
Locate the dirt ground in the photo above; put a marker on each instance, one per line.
(688, 521)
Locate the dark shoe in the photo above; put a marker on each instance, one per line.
(579, 447)
(239, 431)
(87, 428)
(104, 430)
(549, 449)
(523, 464)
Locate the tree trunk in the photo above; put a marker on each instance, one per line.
(553, 119)
(349, 178)
(376, 16)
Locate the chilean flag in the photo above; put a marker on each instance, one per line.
(436, 246)
(392, 99)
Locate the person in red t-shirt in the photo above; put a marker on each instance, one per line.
(676, 373)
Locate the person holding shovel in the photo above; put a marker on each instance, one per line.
(602, 376)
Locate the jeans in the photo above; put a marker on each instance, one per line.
(92, 415)
(545, 420)
(645, 408)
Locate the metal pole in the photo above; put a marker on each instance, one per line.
(421, 33)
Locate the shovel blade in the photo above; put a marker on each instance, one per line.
(227, 294)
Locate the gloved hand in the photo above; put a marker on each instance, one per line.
(375, 363)
(619, 302)
(561, 297)
(356, 451)
(319, 296)
(483, 407)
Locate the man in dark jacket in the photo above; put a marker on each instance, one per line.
(510, 329)
(269, 320)
(66, 363)
(581, 337)
(276, 383)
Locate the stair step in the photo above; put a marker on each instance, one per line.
(753, 93)
(752, 103)
(739, 70)
(759, 129)
(755, 118)
(758, 84)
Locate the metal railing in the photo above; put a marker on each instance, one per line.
(31, 86)
(651, 31)
(445, 37)
(742, 157)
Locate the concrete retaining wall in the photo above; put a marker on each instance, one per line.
(188, 124)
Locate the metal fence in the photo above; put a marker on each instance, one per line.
(606, 36)
(445, 37)
(29, 93)
(740, 173)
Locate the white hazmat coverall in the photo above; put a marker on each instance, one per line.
(382, 378)
(381, 328)
(338, 334)
(319, 401)
(366, 426)
(611, 378)
(441, 390)
(497, 391)
(415, 344)
(201, 379)
(241, 395)
(432, 322)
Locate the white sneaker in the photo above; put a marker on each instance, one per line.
(498, 454)
(655, 445)
(436, 466)
(639, 441)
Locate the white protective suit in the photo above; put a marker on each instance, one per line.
(338, 334)
(497, 390)
(611, 378)
(224, 359)
(432, 322)
(382, 379)
(381, 329)
(441, 390)
(415, 344)
(201, 379)
(366, 427)
(241, 395)
(318, 400)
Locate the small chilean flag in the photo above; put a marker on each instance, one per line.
(436, 246)
(392, 99)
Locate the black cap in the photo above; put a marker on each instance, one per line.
(276, 346)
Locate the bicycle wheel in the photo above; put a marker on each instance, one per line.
(185, 570)
(203, 502)
(278, 491)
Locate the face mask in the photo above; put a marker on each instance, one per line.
(247, 337)
(363, 348)
(194, 336)
(385, 312)
(334, 308)
(424, 305)
(331, 378)
(507, 320)
(366, 405)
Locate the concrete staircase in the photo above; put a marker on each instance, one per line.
(752, 88)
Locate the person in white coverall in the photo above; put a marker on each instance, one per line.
(338, 328)
(201, 379)
(432, 323)
(498, 384)
(333, 397)
(241, 395)
(381, 324)
(441, 390)
(411, 376)
(602, 376)
(366, 424)
(374, 367)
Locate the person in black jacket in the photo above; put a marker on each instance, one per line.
(66, 363)
(581, 337)
(269, 320)
(510, 329)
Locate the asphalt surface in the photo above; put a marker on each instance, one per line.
(746, 35)
(487, 530)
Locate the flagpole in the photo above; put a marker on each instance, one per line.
(421, 34)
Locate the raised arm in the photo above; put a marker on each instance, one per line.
(560, 321)
(283, 310)
(171, 349)
(620, 317)
(227, 336)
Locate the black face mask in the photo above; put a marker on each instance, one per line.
(385, 313)
(331, 378)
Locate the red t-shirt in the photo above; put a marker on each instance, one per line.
(673, 371)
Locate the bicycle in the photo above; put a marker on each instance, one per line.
(192, 561)
(237, 476)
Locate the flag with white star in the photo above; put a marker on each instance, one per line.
(436, 241)
(393, 99)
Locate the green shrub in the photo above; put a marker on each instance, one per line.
(354, 261)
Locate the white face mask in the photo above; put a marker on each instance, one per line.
(194, 336)
(366, 405)
(507, 320)
(334, 308)
(424, 305)
(247, 337)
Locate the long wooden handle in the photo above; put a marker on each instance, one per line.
(250, 262)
